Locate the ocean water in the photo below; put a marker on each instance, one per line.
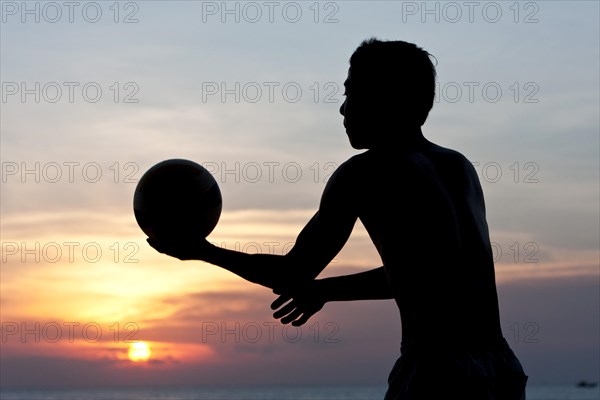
(354, 392)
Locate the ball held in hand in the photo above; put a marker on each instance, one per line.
(177, 200)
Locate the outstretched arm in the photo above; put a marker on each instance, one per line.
(272, 271)
(308, 299)
(317, 244)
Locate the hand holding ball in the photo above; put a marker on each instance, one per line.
(177, 200)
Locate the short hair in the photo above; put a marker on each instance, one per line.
(397, 72)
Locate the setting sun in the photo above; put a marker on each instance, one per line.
(139, 351)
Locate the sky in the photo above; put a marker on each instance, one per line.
(95, 93)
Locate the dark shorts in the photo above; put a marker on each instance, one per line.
(490, 372)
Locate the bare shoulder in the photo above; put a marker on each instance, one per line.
(455, 170)
(450, 159)
(344, 187)
(339, 193)
(430, 159)
(446, 154)
(349, 169)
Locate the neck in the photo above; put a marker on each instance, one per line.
(406, 138)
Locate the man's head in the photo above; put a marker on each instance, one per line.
(390, 88)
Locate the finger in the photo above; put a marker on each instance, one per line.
(291, 317)
(281, 300)
(302, 320)
(285, 310)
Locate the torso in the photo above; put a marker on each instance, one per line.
(425, 212)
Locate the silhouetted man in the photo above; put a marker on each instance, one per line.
(423, 208)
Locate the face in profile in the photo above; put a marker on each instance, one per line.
(367, 116)
(356, 115)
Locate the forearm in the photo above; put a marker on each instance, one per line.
(368, 285)
(268, 270)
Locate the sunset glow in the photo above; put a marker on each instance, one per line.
(139, 351)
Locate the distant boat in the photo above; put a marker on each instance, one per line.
(585, 384)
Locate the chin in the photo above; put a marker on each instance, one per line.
(359, 145)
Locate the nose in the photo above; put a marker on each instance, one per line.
(342, 108)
